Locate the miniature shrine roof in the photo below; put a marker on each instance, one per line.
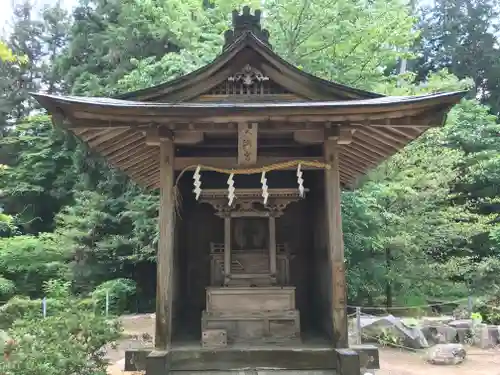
(248, 83)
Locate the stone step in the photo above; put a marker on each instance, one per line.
(264, 372)
(271, 360)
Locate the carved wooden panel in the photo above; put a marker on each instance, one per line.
(246, 300)
(247, 143)
(250, 263)
(248, 81)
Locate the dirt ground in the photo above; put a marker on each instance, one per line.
(392, 361)
(478, 362)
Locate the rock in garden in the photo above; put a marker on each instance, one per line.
(446, 354)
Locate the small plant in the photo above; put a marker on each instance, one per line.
(57, 289)
(476, 317)
(388, 338)
(118, 291)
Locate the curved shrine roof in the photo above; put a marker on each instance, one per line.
(189, 108)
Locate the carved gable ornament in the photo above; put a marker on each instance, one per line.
(248, 76)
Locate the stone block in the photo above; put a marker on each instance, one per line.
(135, 359)
(446, 334)
(464, 329)
(446, 354)
(482, 337)
(347, 362)
(368, 356)
(157, 363)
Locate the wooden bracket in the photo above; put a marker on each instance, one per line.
(155, 135)
(58, 118)
(342, 135)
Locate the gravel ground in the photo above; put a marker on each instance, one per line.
(392, 362)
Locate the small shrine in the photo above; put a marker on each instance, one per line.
(249, 155)
(250, 295)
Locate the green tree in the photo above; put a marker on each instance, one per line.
(40, 175)
(462, 35)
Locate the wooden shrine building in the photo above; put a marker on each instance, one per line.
(249, 154)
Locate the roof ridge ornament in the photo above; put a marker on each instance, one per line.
(245, 23)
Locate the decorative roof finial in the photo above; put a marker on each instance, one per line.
(246, 22)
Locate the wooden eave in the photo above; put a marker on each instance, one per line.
(116, 129)
(231, 60)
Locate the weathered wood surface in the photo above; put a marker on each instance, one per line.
(247, 143)
(250, 263)
(165, 256)
(227, 250)
(241, 299)
(258, 315)
(252, 358)
(256, 328)
(368, 356)
(336, 244)
(273, 268)
(213, 338)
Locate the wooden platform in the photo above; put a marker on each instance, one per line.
(316, 356)
(252, 314)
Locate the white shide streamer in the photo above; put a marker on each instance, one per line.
(230, 189)
(265, 193)
(300, 181)
(197, 182)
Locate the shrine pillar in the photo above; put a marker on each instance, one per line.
(227, 248)
(165, 255)
(272, 248)
(335, 243)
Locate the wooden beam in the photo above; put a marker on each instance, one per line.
(310, 136)
(342, 135)
(382, 117)
(232, 162)
(180, 137)
(336, 244)
(165, 256)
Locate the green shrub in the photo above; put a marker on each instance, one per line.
(57, 289)
(19, 307)
(7, 289)
(489, 310)
(119, 292)
(68, 343)
(30, 260)
(25, 308)
(87, 304)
